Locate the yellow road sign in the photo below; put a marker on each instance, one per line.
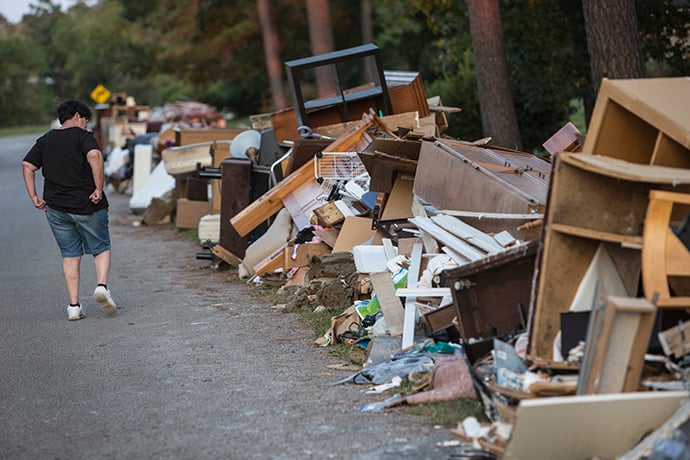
(100, 94)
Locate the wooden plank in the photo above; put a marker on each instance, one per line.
(468, 233)
(410, 304)
(186, 136)
(491, 215)
(661, 434)
(422, 292)
(447, 238)
(391, 307)
(430, 244)
(272, 201)
(225, 255)
(455, 255)
(399, 203)
(272, 263)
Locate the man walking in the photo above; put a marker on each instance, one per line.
(73, 199)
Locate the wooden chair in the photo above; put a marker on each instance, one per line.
(663, 254)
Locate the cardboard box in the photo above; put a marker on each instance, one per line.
(189, 212)
(302, 254)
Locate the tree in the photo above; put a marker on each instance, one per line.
(613, 40)
(321, 39)
(22, 89)
(272, 53)
(499, 119)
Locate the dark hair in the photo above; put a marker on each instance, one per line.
(67, 109)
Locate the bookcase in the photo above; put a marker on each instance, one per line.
(593, 200)
(644, 121)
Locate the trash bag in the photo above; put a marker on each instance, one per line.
(384, 372)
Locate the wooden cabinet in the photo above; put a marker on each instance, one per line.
(645, 121)
(593, 201)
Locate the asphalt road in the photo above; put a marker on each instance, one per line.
(192, 367)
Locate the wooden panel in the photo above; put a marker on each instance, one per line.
(406, 91)
(623, 135)
(391, 307)
(486, 183)
(235, 196)
(195, 136)
(668, 152)
(491, 296)
(617, 341)
(540, 431)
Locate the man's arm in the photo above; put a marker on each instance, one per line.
(95, 159)
(29, 173)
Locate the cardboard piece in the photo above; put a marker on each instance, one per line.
(391, 307)
(355, 230)
(189, 212)
(299, 256)
(399, 203)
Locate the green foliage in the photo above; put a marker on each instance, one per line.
(663, 25)
(545, 78)
(212, 51)
(22, 87)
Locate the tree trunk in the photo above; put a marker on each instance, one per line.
(321, 39)
(499, 120)
(613, 40)
(367, 33)
(274, 64)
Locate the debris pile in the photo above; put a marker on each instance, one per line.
(552, 290)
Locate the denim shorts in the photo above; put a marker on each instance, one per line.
(79, 234)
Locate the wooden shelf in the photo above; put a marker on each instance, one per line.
(644, 121)
(634, 242)
(593, 201)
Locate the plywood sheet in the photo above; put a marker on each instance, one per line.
(579, 427)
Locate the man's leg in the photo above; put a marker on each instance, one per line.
(102, 293)
(70, 269)
(102, 263)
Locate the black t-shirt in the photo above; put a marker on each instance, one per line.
(61, 154)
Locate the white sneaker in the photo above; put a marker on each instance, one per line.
(75, 313)
(102, 296)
